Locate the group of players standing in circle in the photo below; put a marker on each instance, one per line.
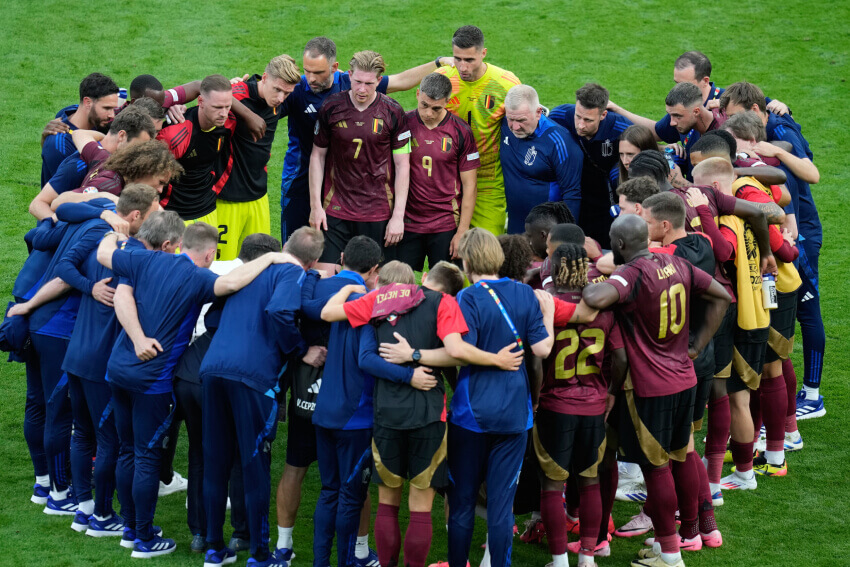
(627, 296)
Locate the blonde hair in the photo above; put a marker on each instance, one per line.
(396, 272)
(481, 252)
(283, 67)
(369, 61)
(713, 169)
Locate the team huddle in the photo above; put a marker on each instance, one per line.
(593, 285)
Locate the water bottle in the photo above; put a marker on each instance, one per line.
(670, 154)
(614, 211)
(768, 289)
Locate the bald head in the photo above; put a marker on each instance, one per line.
(629, 237)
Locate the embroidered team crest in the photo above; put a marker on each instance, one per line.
(530, 155)
(607, 148)
(489, 102)
(377, 125)
(446, 144)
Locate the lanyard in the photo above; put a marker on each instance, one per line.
(504, 313)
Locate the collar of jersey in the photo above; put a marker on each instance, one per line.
(348, 274)
(500, 280)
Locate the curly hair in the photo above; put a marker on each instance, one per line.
(137, 161)
(569, 266)
(518, 256)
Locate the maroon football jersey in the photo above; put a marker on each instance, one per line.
(358, 184)
(573, 380)
(655, 299)
(437, 158)
(99, 179)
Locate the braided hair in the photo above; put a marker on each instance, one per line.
(650, 163)
(556, 212)
(569, 266)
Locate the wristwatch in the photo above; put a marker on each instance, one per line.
(416, 355)
(437, 62)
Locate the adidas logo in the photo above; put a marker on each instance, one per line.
(314, 388)
(807, 297)
(310, 109)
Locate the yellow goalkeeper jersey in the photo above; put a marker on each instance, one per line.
(481, 105)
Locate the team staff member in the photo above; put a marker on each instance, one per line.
(443, 165)
(170, 291)
(646, 284)
(201, 145)
(243, 203)
(536, 153)
(478, 94)
(597, 133)
(360, 165)
(240, 379)
(488, 425)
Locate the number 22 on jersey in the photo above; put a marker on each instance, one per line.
(581, 368)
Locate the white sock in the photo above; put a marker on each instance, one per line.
(631, 470)
(43, 480)
(100, 518)
(361, 548)
(59, 494)
(588, 560)
(671, 558)
(535, 515)
(746, 475)
(284, 537)
(87, 507)
(811, 393)
(560, 561)
(485, 561)
(713, 487)
(775, 457)
(793, 436)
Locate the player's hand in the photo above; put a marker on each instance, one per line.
(697, 197)
(609, 405)
(256, 125)
(768, 265)
(284, 258)
(692, 353)
(508, 358)
(767, 149)
(355, 288)
(118, 224)
(592, 248)
(102, 292)
(147, 349)
(789, 238)
(318, 219)
(241, 79)
(394, 232)
(55, 126)
(713, 103)
(447, 61)
(22, 309)
(315, 356)
(678, 149)
(175, 114)
(778, 107)
(547, 303)
(422, 379)
(396, 353)
(453, 245)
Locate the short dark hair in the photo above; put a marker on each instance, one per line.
(569, 266)
(257, 244)
(468, 36)
(518, 256)
(218, 83)
(550, 212)
(726, 137)
(713, 146)
(447, 277)
(97, 85)
(592, 95)
(321, 46)
(136, 197)
(133, 121)
(150, 106)
(200, 236)
(686, 94)
(666, 206)
(649, 163)
(696, 59)
(161, 227)
(436, 86)
(745, 95)
(361, 254)
(567, 233)
(636, 190)
(141, 83)
(306, 244)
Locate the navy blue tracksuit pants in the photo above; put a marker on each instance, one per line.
(57, 421)
(474, 458)
(345, 466)
(239, 424)
(142, 421)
